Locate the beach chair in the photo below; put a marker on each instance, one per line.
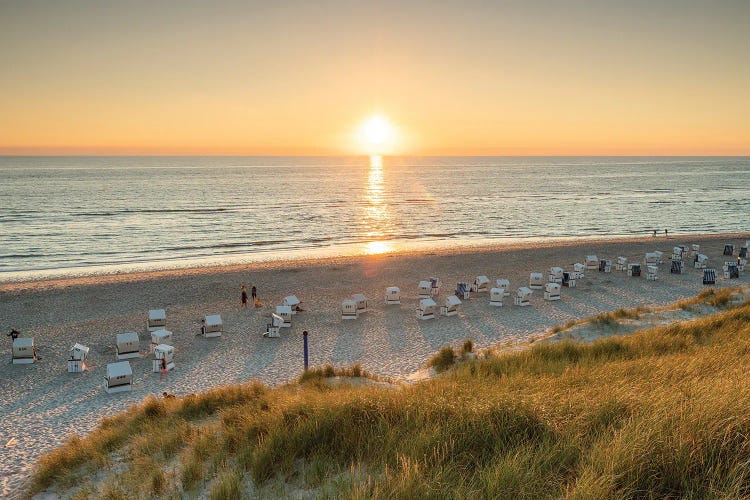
(434, 286)
(127, 346)
(119, 377)
(161, 337)
(24, 351)
(293, 302)
(212, 326)
(349, 309)
(676, 267)
(578, 269)
(605, 266)
(361, 302)
(651, 273)
(536, 281)
(481, 284)
(504, 284)
(450, 307)
(568, 280)
(622, 264)
(522, 297)
(677, 253)
(496, 296)
(423, 289)
(592, 262)
(700, 261)
(694, 250)
(741, 263)
(743, 253)
(634, 270)
(426, 309)
(709, 276)
(651, 259)
(273, 329)
(731, 271)
(285, 313)
(162, 352)
(552, 291)
(462, 290)
(728, 249)
(78, 355)
(157, 320)
(555, 275)
(392, 295)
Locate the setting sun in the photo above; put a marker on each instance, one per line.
(376, 135)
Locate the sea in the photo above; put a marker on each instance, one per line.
(71, 216)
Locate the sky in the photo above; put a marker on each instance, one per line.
(569, 77)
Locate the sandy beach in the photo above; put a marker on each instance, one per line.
(42, 404)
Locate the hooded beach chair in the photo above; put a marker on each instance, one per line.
(700, 261)
(481, 284)
(349, 309)
(392, 295)
(462, 290)
(634, 270)
(450, 307)
(77, 361)
(423, 289)
(361, 302)
(434, 286)
(213, 326)
(426, 309)
(157, 320)
(504, 284)
(568, 280)
(622, 264)
(161, 336)
(273, 329)
(731, 271)
(592, 262)
(24, 351)
(651, 273)
(163, 355)
(709, 276)
(128, 345)
(496, 296)
(694, 250)
(285, 313)
(522, 297)
(578, 269)
(728, 249)
(552, 291)
(652, 259)
(743, 253)
(676, 267)
(605, 266)
(119, 377)
(293, 302)
(536, 281)
(555, 275)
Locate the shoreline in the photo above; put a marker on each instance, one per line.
(447, 248)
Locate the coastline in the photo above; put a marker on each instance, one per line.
(44, 404)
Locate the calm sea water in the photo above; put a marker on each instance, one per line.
(77, 215)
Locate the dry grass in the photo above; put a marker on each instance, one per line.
(663, 413)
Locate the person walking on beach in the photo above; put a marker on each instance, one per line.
(13, 334)
(654, 233)
(666, 233)
(254, 295)
(243, 296)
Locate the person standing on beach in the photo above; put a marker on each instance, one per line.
(666, 233)
(243, 296)
(13, 334)
(254, 295)
(163, 371)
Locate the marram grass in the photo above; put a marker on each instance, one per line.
(663, 413)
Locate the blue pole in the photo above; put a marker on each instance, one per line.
(304, 338)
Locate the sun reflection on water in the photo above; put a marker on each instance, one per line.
(376, 212)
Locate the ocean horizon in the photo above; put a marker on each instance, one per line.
(82, 215)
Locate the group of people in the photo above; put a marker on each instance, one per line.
(666, 233)
(253, 294)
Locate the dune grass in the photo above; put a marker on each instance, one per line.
(663, 413)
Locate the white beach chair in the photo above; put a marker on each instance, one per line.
(700, 261)
(481, 284)
(293, 302)
(157, 320)
(273, 329)
(285, 313)
(677, 253)
(555, 275)
(504, 284)
(578, 269)
(361, 302)
(659, 257)
(552, 291)
(522, 297)
(163, 352)
(128, 345)
(119, 377)
(634, 270)
(605, 266)
(78, 355)
(651, 259)
(426, 309)
(496, 296)
(694, 250)
(392, 295)
(161, 337)
(24, 351)
(213, 326)
(592, 262)
(423, 289)
(536, 281)
(622, 264)
(651, 273)
(349, 309)
(569, 280)
(450, 308)
(741, 264)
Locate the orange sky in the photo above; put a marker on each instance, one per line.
(556, 77)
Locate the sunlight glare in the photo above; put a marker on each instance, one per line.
(376, 135)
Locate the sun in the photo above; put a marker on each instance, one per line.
(376, 135)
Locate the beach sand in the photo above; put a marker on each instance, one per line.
(42, 404)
